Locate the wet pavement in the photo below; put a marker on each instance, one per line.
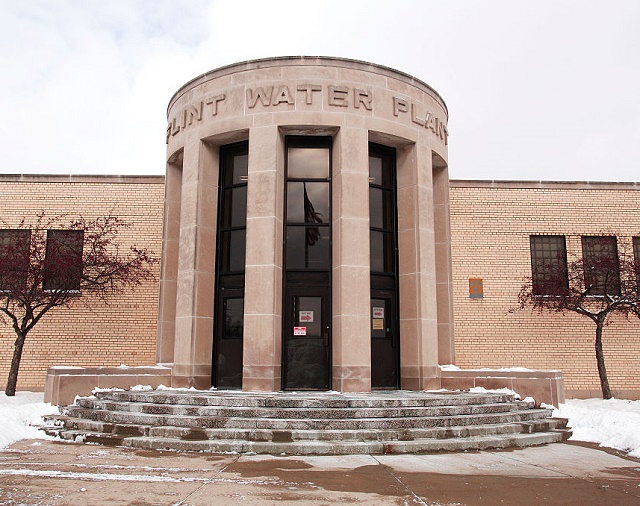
(57, 473)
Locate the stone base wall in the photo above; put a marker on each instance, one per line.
(544, 386)
(63, 384)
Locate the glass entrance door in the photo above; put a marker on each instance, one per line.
(385, 350)
(230, 260)
(306, 339)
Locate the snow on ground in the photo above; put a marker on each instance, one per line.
(20, 416)
(614, 423)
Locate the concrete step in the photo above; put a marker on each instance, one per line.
(128, 417)
(426, 445)
(307, 423)
(396, 398)
(294, 412)
(77, 426)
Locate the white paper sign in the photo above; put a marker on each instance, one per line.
(299, 331)
(378, 312)
(305, 316)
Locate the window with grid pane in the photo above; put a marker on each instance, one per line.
(14, 259)
(601, 265)
(549, 264)
(63, 260)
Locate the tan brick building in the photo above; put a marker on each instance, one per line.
(491, 223)
(121, 333)
(311, 238)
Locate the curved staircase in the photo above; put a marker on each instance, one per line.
(304, 423)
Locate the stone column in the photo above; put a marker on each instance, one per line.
(444, 278)
(418, 316)
(196, 266)
(262, 346)
(169, 274)
(351, 335)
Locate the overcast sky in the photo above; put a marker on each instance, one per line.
(536, 90)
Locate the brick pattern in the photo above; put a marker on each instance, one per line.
(490, 228)
(490, 222)
(124, 332)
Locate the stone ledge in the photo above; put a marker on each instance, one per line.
(64, 383)
(545, 386)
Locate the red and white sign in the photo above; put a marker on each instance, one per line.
(305, 316)
(299, 331)
(378, 312)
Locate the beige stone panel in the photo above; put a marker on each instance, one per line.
(426, 253)
(338, 337)
(187, 249)
(351, 379)
(214, 87)
(352, 190)
(427, 300)
(225, 130)
(260, 340)
(206, 252)
(409, 344)
(428, 329)
(260, 289)
(407, 254)
(203, 350)
(354, 242)
(263, 119)
(208, 166)
(407, 165)
(164, 350)
(408, 295)
(407, 208)
(189, 204)
(184, 330)
(259, 75)
(261, 199)
(204, 290)
(355, 290)
(307, 74)
(185, 293)
(263, 152)
(355, 349)
(262, 241)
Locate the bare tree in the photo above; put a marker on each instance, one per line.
(58, 261)
(601, 283)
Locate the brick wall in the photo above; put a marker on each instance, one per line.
(491, 223)
(124, 332)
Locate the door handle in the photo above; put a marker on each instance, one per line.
(325, 337)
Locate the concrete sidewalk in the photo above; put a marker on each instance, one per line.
(56, 473)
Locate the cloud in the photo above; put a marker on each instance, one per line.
(544, 90)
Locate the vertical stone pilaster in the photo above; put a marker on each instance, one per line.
(444, 278)
(418, 315)
(165, 337)
(262, 346)
(193, 347)
(351, 335)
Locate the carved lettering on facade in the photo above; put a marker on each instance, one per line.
(342, 96)
(308, 90)
(422, 119)
(338, 96)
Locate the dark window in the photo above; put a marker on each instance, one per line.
(549, 265)
(63, 261)
(14, 259)
(230, 266)
(308, 217)
(382, 210)
(601, 265)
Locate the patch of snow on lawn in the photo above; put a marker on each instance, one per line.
(614, 423)
(20, 415)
